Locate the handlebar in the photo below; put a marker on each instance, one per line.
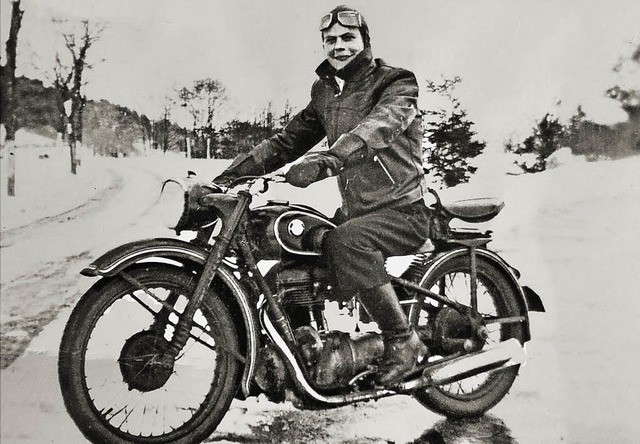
(249, 181)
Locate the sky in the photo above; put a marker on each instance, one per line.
(517, 59)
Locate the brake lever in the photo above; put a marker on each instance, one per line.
(265, 185)
(275, 178)
(250, 181)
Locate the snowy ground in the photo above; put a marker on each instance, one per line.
(572, 231)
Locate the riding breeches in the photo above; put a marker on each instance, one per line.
(356, 249)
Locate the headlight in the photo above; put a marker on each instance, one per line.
(171, 203)
(180, 207)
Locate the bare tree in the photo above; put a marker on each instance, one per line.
(62, 83)
(69, 82)
(202, 101)
(186, 98)
(287, 113)
(146, 130)
(162, 129)
(210, 93)
(11, 124)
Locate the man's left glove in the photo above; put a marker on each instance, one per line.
(312, 168)
(243, 165)
(347, 151)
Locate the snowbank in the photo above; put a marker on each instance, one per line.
(563, 156)
(44, 185)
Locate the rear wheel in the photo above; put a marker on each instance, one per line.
(497, 299)
(115, 384)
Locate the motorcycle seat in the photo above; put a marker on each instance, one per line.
(474, 210)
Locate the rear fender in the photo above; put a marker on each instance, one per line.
(534, 302)
(163, 249)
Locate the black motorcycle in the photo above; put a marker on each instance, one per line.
(174, 330)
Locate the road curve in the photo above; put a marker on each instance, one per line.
(41, 261)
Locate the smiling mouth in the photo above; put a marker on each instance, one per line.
(342, 58)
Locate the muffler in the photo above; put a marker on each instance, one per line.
(503, 355)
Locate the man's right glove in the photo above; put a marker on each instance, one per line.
(347, 151)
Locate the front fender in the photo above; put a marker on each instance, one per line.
(116, 260)
(159, 249)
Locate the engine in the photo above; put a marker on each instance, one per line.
(303, 289)
(332, 359)
(293, 234)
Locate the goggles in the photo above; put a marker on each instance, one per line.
(351, 19)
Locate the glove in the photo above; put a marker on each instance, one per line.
(312, 168)
(243, 165)
(223, 181)
(347, 151)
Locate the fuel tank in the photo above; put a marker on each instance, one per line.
(279, 229)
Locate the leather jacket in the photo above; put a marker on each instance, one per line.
(377, 104)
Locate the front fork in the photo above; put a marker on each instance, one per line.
(233, 228)
(211, 265)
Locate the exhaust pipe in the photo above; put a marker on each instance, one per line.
(503, 355)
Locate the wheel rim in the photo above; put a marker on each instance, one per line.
(132, 391)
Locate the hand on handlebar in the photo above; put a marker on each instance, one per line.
(312, 168)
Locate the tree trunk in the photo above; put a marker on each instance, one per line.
(11, 124)
(74, 162)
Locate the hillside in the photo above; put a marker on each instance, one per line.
(110, 129)
(37, 106)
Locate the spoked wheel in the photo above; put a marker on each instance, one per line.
(116, 383)
(502, 319)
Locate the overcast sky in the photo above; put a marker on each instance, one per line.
(517, 59)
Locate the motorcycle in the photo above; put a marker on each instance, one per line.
(174, 330)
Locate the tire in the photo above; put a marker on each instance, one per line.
(475, 395)
(113, 388)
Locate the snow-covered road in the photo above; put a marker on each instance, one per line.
(572, 231)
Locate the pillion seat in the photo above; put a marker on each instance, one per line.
(474, 210)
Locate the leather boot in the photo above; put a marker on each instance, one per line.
(403, 349)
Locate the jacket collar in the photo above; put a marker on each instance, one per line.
(356, 69)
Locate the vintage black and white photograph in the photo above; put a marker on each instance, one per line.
(377, 222)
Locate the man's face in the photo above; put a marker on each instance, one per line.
(341, 44)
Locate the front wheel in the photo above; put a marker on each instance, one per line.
(497, 299)
(114, 382)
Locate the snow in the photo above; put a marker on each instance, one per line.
(44, 185)
(571, 231)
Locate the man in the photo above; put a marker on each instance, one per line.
(368, 112)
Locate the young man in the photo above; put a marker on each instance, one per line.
(368, 112)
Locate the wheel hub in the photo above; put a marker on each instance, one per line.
(454, 332)
(142, 362)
